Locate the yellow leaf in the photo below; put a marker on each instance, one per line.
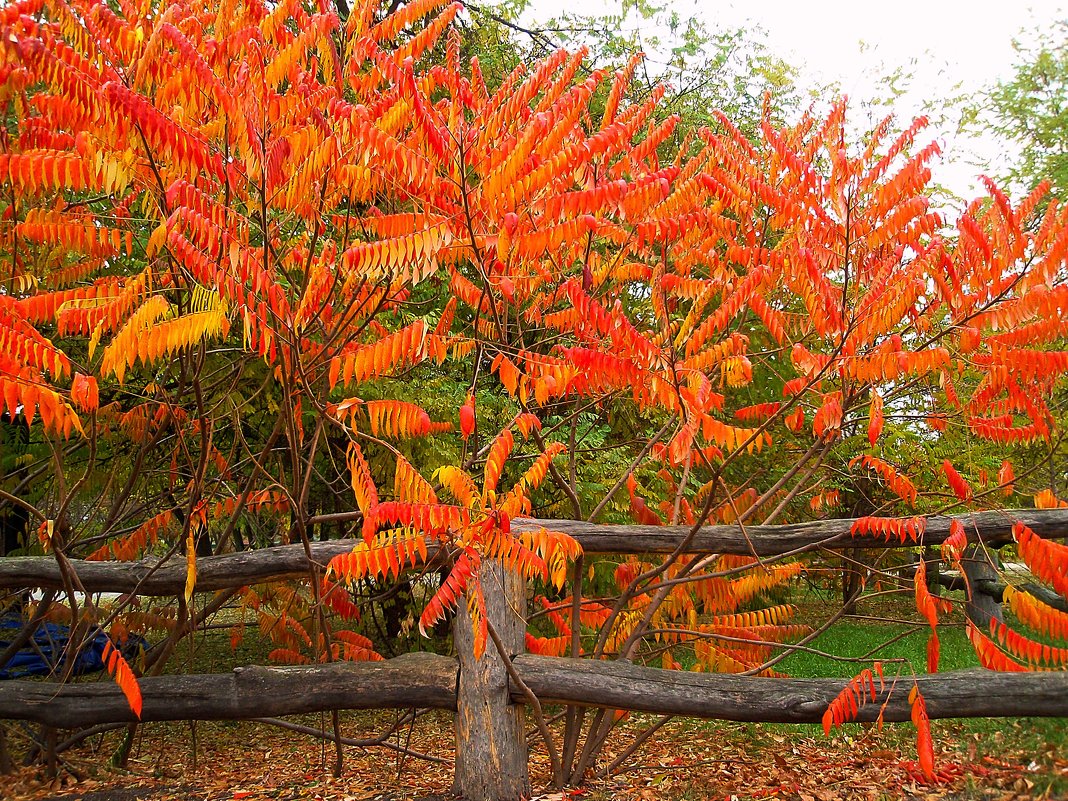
(190, 566)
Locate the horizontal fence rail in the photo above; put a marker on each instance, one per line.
(154, 577)
(429, 681)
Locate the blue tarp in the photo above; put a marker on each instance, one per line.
(45, 653)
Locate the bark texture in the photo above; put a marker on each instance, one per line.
(491, 748)
(992, 528)
(412, 680)
(428, 680)
(980, 607)
(619, 685)
(150, 577)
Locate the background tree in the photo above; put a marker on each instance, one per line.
(1029, 108)
(262, 258)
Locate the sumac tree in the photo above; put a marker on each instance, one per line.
(238, 241)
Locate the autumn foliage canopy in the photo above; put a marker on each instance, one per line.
(235, 236)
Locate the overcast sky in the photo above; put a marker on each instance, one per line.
(973, 39)
(853, 43)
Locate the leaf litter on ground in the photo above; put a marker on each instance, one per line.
(686, 760)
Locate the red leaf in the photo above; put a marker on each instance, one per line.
(924, 743)
(956, 483)
(467, 417)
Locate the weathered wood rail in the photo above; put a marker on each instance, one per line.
(152, 577)
(430, 681)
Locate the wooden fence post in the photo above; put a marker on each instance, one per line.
(491, 749)
(980, 607)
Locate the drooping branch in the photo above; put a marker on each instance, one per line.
(148, 577)
(428, 680)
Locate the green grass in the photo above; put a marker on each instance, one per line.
(879, 641)
(888, 641)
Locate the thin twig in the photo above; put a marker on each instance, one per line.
(370, 742)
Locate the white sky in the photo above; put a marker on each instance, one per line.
(853, 43)
(971, 39)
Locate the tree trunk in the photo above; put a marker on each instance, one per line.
(491, 749)
(851, 585)
(5, 757)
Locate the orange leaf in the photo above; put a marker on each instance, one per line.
(467, 417)
(924, 743)
(875, 418)
(124, 676)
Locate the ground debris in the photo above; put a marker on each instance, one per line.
(687, 760)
